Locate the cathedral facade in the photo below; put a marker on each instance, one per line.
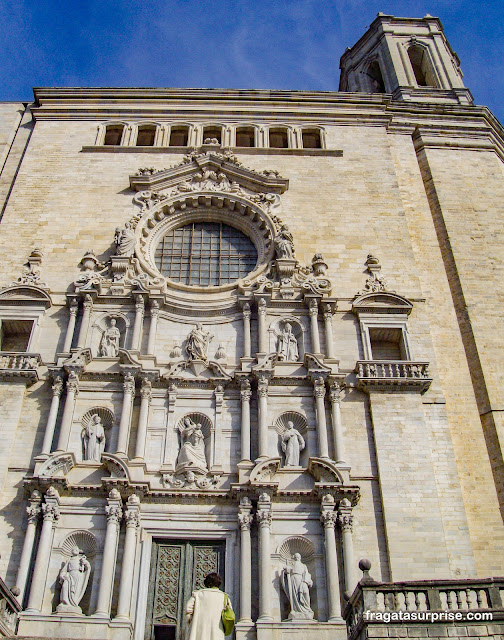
(255, 333)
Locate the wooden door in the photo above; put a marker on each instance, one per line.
(177, 569)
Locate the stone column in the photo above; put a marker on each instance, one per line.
(132, 517)
(328, 518)
(262, 408)
(263, 333)
(315, 338)
(154, 314)
(328, 313)
(247, 349)
(345, 521)
(57, 389)
(124, 425)
(246, 394)
(264, 520)
(319, 393)
(145, 395)
(245, 519)
(114, 515)
(87, 307)
(74, 306)
(137, 327)
(335, 397)
(50, 514)
(33, 510)
(72, 391)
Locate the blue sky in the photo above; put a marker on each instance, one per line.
(260, 44)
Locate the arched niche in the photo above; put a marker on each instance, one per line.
(422, 66)
(298, 329)
(103, 323)
(107, 420)
(208, 433)
(300, 424)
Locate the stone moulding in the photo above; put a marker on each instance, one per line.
(392, 375)
(15, 366)
(57, 464)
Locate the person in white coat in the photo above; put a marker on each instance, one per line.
(204, 610)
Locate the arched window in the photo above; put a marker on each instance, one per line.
(375, 78)
(113, 134)
(311, 139)
(179, 136)
(421, 65)
(146, 135)
(205, 254)
(211, 133)
(245, 137)
(278, 138)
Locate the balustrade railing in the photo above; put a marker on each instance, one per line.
(379, 373)
(9, 609)
(19, 365)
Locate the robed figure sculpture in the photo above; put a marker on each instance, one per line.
(73, 577)
(296, 582)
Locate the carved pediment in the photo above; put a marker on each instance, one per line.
(25, 294)
(78, 360)
(324, 471)
(381, 302)
(187, 370)
(57, 465)
(115, 466)
(265, 471)
(208, 171)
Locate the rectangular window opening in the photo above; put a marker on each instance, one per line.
(387, 343)
(179, 136)
(146, 136)
(278, 139)
(15, 335)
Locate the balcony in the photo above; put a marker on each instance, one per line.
(390, 375)
(19, 365)
(377, 609)
(9, 609)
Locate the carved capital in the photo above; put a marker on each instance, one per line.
(50, 512)
(129, 384)
(245, 391)
(313, 308)
(335, 392)
(328, 519)
(261, 307)
(262, 387)
(154, 308)
(246, 310)
(73, 383)
(245, 520)
(57, 386)
(146, 389)
(264, 517)
(139, 304)
(33, 510)
(114, 514)
(327, 310)
(319, 389)
(132, 518)
(73, 308)
(88, 302)
(345, 521)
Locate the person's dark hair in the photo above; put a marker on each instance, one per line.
(212, 580)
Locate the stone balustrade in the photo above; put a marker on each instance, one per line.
(19, 365)
(9, 609)
(371, 598)
(379, 374)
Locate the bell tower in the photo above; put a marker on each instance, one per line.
(409, 58)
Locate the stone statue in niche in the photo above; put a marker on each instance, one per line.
(287, 345)
(125, 240)
(94, 439)
(109, 346)
(73, 577)
(197, 343)
(296, 582)
(284, 243)
(191, 456)
(292, 445)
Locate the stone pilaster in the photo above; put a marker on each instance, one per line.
(124, 425)
(327, 310)
(315, 337)
(33, 510)
(245, 519)
(73, 309)
(50, 514)
(145, 398)
(247, 346)
(87, 308)
(246, 394)
(154, 316)
(72, 391)
(345, 521)
(113, 512)
(138, 324)
(262, 329)
(264, 519)
(319, 392)
(335, 391)
(328, 519)
(262, 408)
(57, 390)
(132, 517)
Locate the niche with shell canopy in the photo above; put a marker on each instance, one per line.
(207, 430)
(282, 334)
(102, 348)
(299, 423)
(285, 553)
(107, 420)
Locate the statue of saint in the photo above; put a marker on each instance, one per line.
(94, 439)
(284, 243)
(109, 346)
(125, 240)
(292, 445)
(197, 343)
(73, 577)
(191, 456)
(296, 582)
(287, 345)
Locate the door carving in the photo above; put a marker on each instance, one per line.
(177, 569)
